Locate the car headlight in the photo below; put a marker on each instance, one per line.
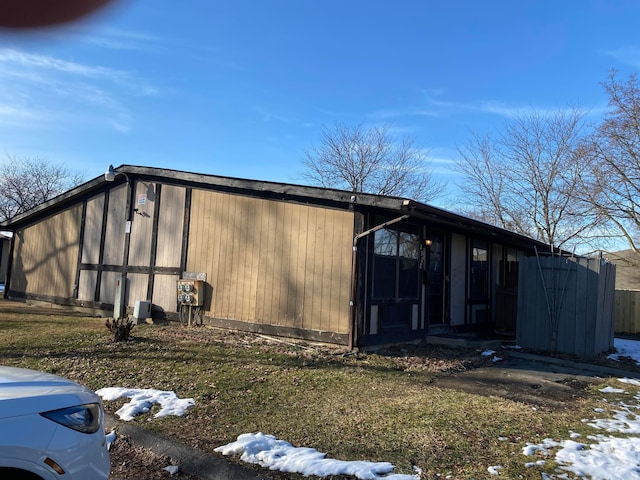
(82, 418)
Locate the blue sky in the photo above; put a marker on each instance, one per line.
(241, 88)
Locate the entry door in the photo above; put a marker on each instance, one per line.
(479, 285)
(435, 279)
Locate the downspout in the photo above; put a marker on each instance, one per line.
(354, 255)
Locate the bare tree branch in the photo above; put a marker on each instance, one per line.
(527, 178)
(612, 184)
(27, 182)
(370, 160)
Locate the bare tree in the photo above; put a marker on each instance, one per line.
(526, 179)
(612, 184)
(28, 182)
(371, 160)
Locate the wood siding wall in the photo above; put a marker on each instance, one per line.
(272, 262)
(168, 251)
(154, 248)
(46, 256)
(115, 228)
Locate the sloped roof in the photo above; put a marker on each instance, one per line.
(627, 269)
(274, 190)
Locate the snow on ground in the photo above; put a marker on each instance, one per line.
(111, 438)
(488, 353)
(626, 348)
(141, 401)
(601, 457)
(267, 451)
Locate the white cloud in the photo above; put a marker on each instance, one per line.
(403, 112)
(270, 116)
(47, 90)
(627, 55)
(19, 58)
(115, 39)
(437, 107)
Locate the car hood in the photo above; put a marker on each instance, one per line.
(24, 392)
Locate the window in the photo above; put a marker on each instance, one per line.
(479, 270)
(396, 264)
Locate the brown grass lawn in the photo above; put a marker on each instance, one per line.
(354, 406)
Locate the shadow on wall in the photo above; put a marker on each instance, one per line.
(18, 281)
(208, 297)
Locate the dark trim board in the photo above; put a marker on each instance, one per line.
(154, 239)
(62, 301)
(131, 269)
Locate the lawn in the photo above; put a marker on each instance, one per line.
(354, 406)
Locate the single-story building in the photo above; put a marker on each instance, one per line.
(298, 261)
(627, 269)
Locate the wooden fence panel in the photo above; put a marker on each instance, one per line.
(627, 311)
(566, 305)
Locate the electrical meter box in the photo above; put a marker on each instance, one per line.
(191, 292)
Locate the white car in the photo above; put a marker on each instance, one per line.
(50, 428)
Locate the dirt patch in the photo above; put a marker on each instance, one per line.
(535, 383)
(465, 369)
(129, 461)
(420, 357)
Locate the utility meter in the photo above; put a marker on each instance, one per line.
(190, 292)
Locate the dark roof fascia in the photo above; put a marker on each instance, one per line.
(259, 188)
(283, 191)
(343, 198)
(470, 226)
(57, 203)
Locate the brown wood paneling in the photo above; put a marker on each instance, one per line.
(87, 285)
(297, 235)
(170, 226)
(46, 254)
(313, 275)
(328, 255)
(108, 287)
(116, 224)
(231, 217)
(93, 230)
(266, 261)
(279, 266)
(272, 262)
(266, 221)
(245, 283)
(342, 271)
(136, 288)
(142, 224)
(164, 292)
